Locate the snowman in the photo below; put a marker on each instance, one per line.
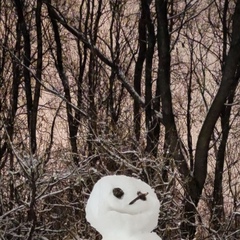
(123, 208)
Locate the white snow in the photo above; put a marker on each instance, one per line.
(123, 208)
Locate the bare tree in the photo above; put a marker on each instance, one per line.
(228, 83)
(143, 88)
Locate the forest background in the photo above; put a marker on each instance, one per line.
(142, 88)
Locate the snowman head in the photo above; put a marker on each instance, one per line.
(122, 205)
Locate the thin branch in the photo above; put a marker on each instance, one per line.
(82, 37)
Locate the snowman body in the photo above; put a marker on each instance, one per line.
(123, 208)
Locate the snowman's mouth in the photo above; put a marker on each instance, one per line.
(141, 196)
(127, 212)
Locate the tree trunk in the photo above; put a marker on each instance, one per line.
(151, 123)
(72, 124)
(139, 69)
(172, 144)
(37, 89)
(195, 186)
(26, 74)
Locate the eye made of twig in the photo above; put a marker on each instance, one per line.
(142, 196)
(118, 193)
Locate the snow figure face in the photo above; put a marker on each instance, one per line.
(122, 206)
